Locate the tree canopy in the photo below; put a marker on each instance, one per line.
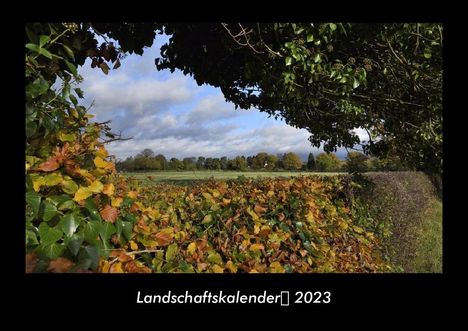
(328, 78)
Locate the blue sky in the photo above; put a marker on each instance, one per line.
(172, 115)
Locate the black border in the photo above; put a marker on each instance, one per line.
(97, 294)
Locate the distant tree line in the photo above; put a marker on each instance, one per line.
(146, 160)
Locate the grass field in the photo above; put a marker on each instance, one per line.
(188, 177)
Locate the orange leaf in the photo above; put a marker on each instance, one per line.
(108, 189)
(49, 165)
(259, 209)
(109, 213)
(163, 238)
(60, 265)
(31, 261)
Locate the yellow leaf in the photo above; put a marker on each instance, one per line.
(191, 248)
(53, 179)
(217, 269)
(254, 216)
(256, 247)
(270, 193)
(226, 201)
(37, 183)
(276, 267)
(109, 189)
(116, 202)
(207, 219)
(231, 266)
(96, 187)
(104, 266)
(82, 194)
(256, 228)
(310, 217)
(133, 245)
(102, 152)
(116, 268)
(99, 162)
(132, 194)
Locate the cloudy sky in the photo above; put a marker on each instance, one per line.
(172, 115)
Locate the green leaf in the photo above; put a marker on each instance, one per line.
(74, 243)
(427, 55)
(48, 210)
(332, 26)
(310, 37)
(69, 52)
(34, 200)
(88, 257)
(106, 230)
(91, 207)
(215, 258)
(355, 83)
(37, 88)
(31, 238)
(33, 47)
(125, 228)
(79, 93)
(31, 128)
(73, 100)
(48, 235)
(70, 204)
(317, 58)
(53, 251)
(69, 224)
(171, 252)
(45, 53)
(91, 232)
(43, 40)
(288, 61)
(72, 68)
(69, 186)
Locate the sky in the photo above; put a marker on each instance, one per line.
(170, 114)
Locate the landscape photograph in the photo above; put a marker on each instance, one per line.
(233, 147)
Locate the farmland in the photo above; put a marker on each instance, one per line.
(190, 177)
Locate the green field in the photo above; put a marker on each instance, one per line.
(188, 177)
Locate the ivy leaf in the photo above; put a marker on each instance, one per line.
(34, 200)
(89, 257)
(48, 210)
(74, 243)
(106, 230)
(48, 235)
(91, 232)
(69, 224)
(53, 251)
